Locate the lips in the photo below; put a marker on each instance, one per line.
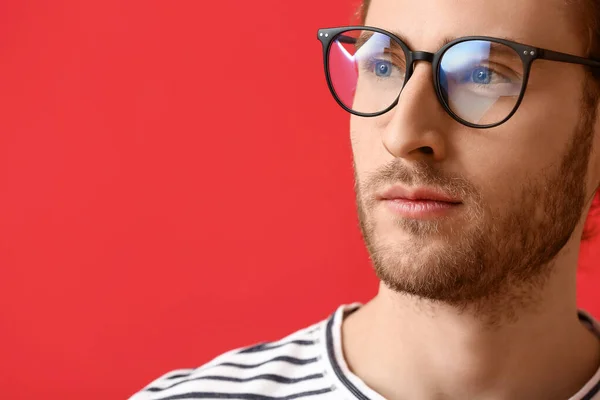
(417, 194)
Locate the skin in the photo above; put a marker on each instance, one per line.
(480, 304)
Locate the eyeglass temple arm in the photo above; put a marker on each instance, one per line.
(345, 39)
(568, 58)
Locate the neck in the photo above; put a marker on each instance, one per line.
(406, 348)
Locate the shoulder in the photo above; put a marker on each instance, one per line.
(288, 365)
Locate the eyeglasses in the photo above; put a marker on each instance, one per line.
(480, 81)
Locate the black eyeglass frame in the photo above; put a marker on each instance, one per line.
(528, 55)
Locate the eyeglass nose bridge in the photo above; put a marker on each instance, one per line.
(418, 56)
(422, 56)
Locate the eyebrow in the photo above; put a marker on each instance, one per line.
(447, 39)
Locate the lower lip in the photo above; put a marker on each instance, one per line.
(420, 209)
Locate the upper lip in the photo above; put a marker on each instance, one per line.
(417, 193)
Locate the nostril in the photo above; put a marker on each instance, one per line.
(426, 150)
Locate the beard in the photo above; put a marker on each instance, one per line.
(495, 262)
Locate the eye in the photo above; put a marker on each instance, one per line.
(383, 68)
(481, 75)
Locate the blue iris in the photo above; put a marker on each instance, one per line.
(481, 75)
(383, 68)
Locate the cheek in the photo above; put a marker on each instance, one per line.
(506, 160)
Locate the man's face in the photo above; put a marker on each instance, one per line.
(522, 186)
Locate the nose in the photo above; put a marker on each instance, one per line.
(416, 128)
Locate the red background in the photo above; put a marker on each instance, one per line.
(175, 181)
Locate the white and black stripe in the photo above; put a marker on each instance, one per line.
(308, 364)
(291, 368)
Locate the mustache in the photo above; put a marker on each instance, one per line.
(419, 173)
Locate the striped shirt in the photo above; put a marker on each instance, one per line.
(308, 364)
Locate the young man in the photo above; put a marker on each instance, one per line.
(476, 161)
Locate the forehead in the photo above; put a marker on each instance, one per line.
(425, 24)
